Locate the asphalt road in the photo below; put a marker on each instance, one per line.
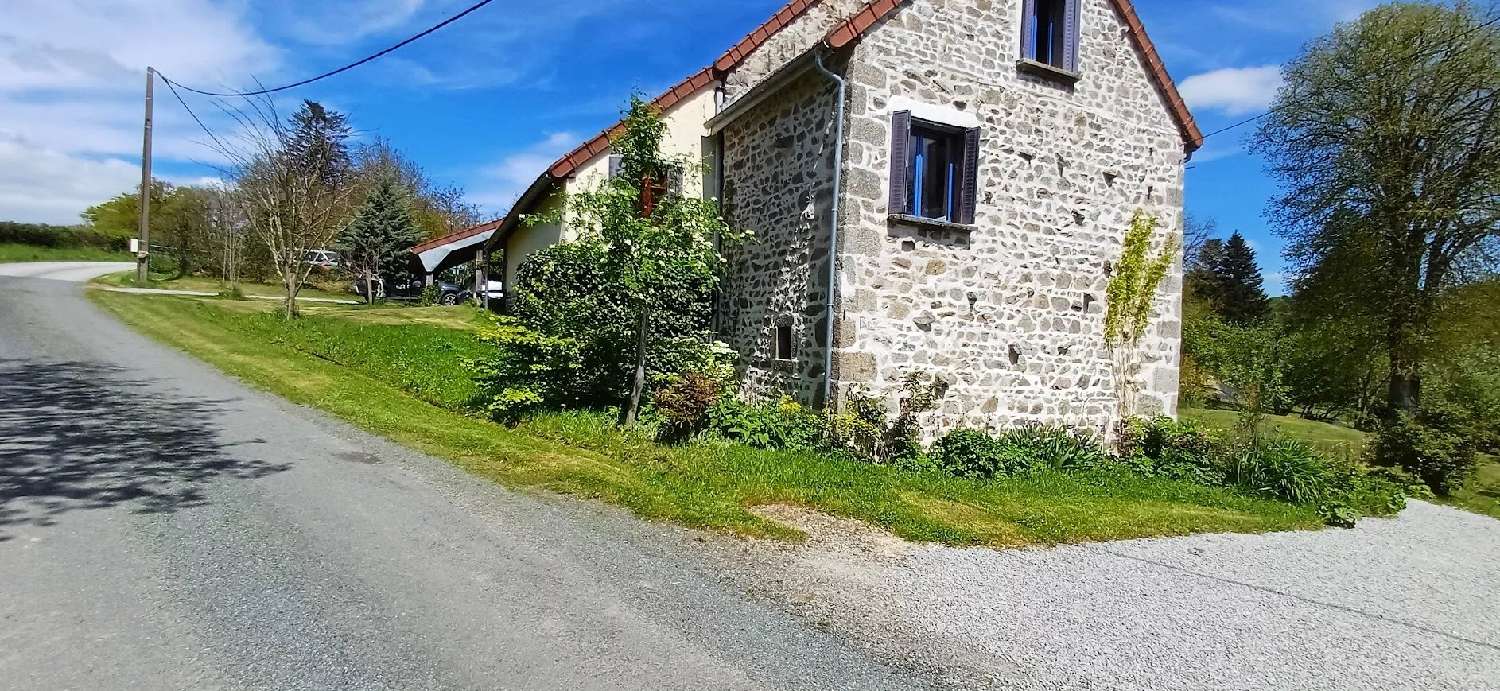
(163, 526)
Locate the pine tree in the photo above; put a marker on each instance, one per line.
(1238, 283)
(319, 143)
(376, 242)
(1202, 282)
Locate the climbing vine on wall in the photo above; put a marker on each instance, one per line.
(1132, 292)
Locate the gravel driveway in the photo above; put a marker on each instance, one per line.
(1409, 603)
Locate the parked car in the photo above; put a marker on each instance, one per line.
(411, 290)
(323, 259)
(495, 290)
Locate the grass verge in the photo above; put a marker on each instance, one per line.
(16, 252)
(363, 373)
(204, 284)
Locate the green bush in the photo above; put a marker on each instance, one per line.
(1287, 469)
(1052, 447)
(972, 453)
(526, 371)
(865, 430)
(784, 425)
(1468, 384)
(1433, 445)
(567, 291)
(683, 404)
(43, 235)
(1163, 447)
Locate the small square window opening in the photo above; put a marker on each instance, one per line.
(783, 345)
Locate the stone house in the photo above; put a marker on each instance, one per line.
(936, 187)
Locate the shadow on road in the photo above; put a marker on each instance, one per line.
(82, 436)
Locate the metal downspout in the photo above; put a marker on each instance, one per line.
(833, 227)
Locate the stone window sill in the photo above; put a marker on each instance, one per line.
(1048, 72)
(782, 364)
(931, 223)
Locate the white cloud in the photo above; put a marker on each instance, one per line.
(501, 184)
(1233, 90)
(71, 80)
(40, 185)
(78, 44)
(336, 23)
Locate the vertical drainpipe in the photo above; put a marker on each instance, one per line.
(833, 226)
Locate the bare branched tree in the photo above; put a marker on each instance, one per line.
(290, 177)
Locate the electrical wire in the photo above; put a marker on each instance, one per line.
(196, 119)
(370, 58)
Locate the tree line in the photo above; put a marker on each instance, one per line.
(294, 185)
(1386, 144)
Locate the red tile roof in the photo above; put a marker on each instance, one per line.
(600, 144)
(456, 236)
(843, 34)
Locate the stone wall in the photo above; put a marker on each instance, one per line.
(778, 184)
(787, 44)
(1011, 310)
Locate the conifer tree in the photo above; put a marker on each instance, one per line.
(1239, 286)
(376, 242)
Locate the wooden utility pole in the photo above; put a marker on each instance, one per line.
(143, 258)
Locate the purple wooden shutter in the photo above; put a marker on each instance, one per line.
(900, 153)
(1028, 30)
(968, 198)
(1070, 36)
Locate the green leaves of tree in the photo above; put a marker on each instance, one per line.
(1132, 289)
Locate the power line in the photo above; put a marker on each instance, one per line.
(471, 9)
(189, 110)
(1416, 56)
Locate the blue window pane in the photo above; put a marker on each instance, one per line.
(934, 174)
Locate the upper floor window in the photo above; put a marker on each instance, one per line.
(1049, 33)
(934, 169)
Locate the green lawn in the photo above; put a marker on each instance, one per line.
(1482, 494)
(406, 382)
(1333, 438)
(204, 284)
(15, 252)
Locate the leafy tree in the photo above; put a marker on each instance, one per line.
(653, 238)
(1249, 360)
(375, 244)
(436, 210)
(120, 216)
(1386, 139)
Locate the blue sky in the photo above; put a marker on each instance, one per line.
(488, 102)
